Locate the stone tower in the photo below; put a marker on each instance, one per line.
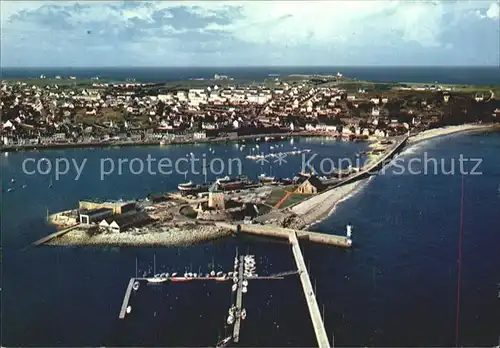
(216, 198)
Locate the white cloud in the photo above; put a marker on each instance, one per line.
(273, 29)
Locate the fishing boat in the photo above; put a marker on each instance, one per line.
(186, 186)
(228, 183)
(265, 179)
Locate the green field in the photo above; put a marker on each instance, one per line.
(275, 196)
(294, 199)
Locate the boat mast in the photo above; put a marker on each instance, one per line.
(154, 264)
(136, 266)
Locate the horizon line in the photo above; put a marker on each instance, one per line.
(247, 66)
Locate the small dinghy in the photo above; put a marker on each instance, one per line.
(135, 286)
(129, 309)
(234, 287)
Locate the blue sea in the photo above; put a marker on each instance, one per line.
(452, 75)
(396, 287)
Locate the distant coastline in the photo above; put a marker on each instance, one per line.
(383, 74)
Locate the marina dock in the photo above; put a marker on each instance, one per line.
(285, 233)
(126, 299)
(312, 304)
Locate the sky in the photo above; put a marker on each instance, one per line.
(89, 33)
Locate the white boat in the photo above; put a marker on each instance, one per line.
(212, 274)
(230, 320)
(174, 274)
(243, 314)
(234, 287)
(135, 286)
(187, 186)
(129, 309)
(219, 274)
(245, 283)
(156, 280)
(244, 290)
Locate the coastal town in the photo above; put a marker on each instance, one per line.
(45, 113)
(66, 112)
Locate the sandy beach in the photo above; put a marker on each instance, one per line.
(438, 132)
(323, 205)
(171, 237)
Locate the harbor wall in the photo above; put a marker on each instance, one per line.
(284, 233)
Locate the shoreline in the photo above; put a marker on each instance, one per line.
(307, 214)
(174, 237)
(311, 213)
(99, 145)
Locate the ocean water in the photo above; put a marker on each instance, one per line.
(397, 287)
(453, 75)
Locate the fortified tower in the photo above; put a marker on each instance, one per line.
(216, 198)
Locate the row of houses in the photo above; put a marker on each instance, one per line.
(115, 217)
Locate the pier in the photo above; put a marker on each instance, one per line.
(312, 304)
(126, 299)
(285, 233)
(239, 300)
